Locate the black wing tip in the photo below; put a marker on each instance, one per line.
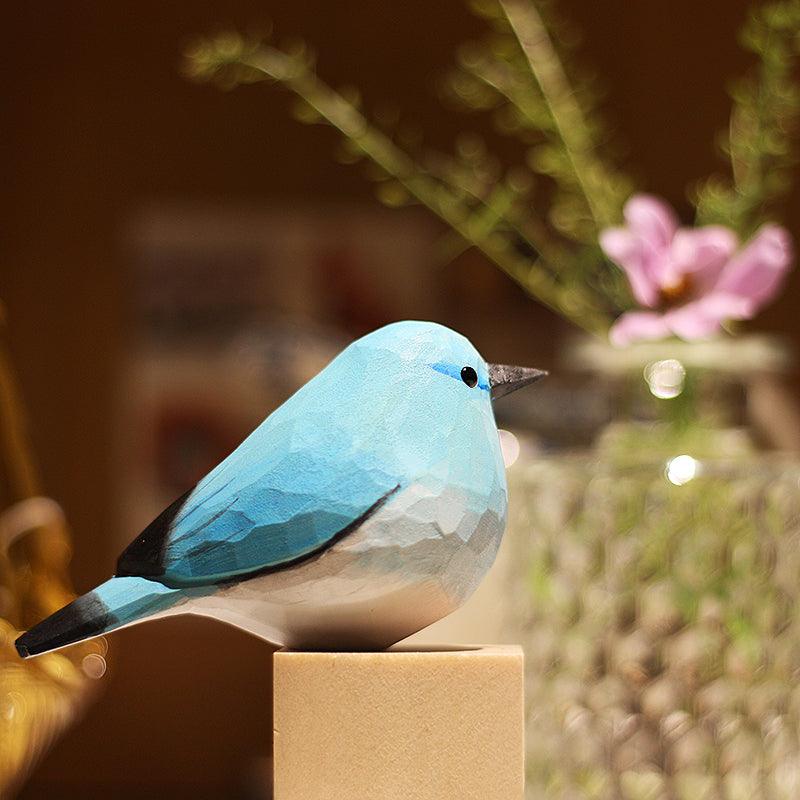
(144, 556)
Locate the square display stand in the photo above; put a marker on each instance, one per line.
(431, 723)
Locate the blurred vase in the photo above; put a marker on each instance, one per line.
(656, 579)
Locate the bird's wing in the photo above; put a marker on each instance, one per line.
(272, 502)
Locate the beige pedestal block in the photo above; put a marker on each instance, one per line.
(432, 724)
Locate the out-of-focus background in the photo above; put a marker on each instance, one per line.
(177, 259)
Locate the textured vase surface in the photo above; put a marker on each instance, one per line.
(656, 585)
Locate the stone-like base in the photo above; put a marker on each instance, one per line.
(430, 724)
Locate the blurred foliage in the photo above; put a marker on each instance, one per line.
(659, 628)
(523, 72)
(759, 141)
(538, 218)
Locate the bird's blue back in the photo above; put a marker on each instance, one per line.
(390, 411)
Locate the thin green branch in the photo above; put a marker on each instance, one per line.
(252, 63)
(496, 211)
(566, 114)
(765, 114)
(492, 216)
(500, 78)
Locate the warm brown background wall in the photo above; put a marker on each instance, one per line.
(98, 121)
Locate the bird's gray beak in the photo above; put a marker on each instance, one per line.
(504, 379)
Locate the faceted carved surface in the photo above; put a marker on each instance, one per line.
(661, 629)
(367, 506)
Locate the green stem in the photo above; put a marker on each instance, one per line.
(574, 303)
(482, 223)
(747, 162)
(498, 77)
(495, 209)
(531, 32)
(498, 209)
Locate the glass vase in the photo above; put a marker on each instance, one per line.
(655, 580)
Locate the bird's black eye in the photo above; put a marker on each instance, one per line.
(469, 376)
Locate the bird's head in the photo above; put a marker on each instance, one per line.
(435, 353)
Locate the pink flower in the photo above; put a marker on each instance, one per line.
(693, 279)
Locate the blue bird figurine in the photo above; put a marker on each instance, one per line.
(366, 507)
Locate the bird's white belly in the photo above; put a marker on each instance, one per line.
(415, 561)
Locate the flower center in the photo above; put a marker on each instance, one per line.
(678, 292)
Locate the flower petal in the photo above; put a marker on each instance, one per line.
(703, 252)
(652, 219)
(625, 249)
(693, 321)
(727, 306)
(757, 271)
(637, 326)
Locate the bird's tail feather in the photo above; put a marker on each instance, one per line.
(117, 602)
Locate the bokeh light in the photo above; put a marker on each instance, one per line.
(510, 447)
(665, 378)
(682, 469)
(94, 666)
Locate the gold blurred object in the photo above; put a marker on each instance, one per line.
(38, 697)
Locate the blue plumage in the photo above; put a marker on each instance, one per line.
(403, 414)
